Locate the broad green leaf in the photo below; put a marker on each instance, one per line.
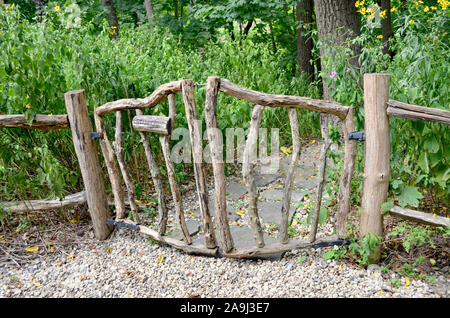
(409, 196)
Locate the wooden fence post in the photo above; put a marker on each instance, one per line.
(376, 154)
(85, 149)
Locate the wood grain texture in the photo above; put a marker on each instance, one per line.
(275, 248)
(199, 168)
(376, 154)
(42, 122)
(272, 100)
(86, 152)
(155, 124)
(136, 103)
(248, 162)
(123, 167)
(319, 190)
(43, 205)
(414, 112)
(156, 177)
(112, 169)
(350, 150)
(419, 216)
(289, 180)
(216, 150)
(196, 249)
(178, 203)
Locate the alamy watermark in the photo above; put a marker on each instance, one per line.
(232, 146)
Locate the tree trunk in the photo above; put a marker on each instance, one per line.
(175, 8)
(112, 17)
(149, 9)
(337, 22)
(304, 44)
(386, 26)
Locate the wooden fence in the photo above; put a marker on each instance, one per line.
(217, 235)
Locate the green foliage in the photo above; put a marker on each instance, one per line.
(365, 249)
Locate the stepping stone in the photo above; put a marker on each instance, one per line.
(234, 190)
(270, 212)
(306, 181)
(232, 216)
(262, 180)
(274, 195)
(193, 228)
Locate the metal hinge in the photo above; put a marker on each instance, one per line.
(96, 135)
(356, 135)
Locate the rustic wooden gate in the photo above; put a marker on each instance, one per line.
(218, 234)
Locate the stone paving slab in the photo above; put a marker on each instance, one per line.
(277, 195)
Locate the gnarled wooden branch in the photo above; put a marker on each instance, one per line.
(414, 112)
(276, 248)
(188, 248)
(43, 122)
(136, 103)
(42, 205)
(319, 190)
(283, 236)
(111, 166)
(272, 100)
(249, 160)
(164, 140)
(346, 176)
(123, 167)
(199, 168)
(419, 216)
(216, 149)
(157, 182)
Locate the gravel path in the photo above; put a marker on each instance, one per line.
(129, 264)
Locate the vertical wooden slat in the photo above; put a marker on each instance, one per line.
(348, 126)
(376, 154)
(164, 140)
(283, 236)
(199, 168)
(216, 149)
(319, 190)
(88, 160)
(249, 160)
(159, 187)
(113, 170)
(123, 167)
(172, 110)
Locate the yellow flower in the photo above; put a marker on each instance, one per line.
(410, 21)
(362, 10)
(426, 9)
(394, 9)
(433, 8)
(57, 8)
(27, 106)
(383, 13)
(379, 36)
(357, 4)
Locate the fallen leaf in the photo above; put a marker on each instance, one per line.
(160, 259)
(58, 264)
(138, 279)
(340, 267)
(407, 282)
(129, 273)
(36, 283)
(313, 141)
(71, 256)
(285, 150)
(432, 261)
(73, 220)
(240, 212)
(83, 276)
(193, 295)
(32, 249)
(52, 249)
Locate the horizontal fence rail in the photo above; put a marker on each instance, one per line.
(42, 122)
